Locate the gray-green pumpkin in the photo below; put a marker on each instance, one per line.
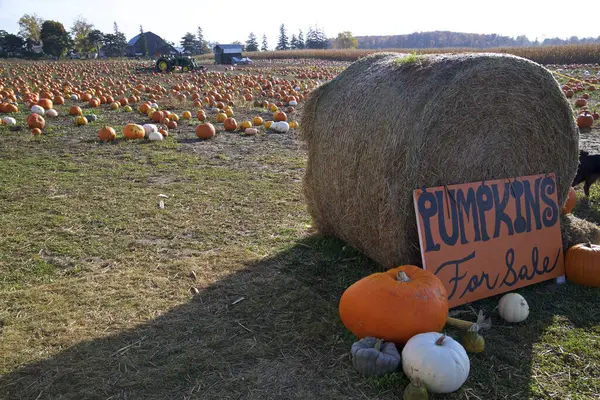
(371, 356)
(91, 117)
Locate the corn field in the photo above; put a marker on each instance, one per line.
(569, 54)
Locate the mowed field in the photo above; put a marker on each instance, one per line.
(222, 291)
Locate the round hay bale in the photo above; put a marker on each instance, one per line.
(389, 124)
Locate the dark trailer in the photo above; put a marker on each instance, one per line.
(224, 53)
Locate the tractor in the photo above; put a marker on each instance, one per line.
(169, 63)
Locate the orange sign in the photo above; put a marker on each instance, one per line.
(491, 237)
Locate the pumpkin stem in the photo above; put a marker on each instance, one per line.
(440, 340)
(378, 344)
(402, 277)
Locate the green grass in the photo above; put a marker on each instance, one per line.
(95, 280)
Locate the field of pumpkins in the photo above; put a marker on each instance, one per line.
(113, 95)
(155, 243)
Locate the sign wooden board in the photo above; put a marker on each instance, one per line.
(491, 237)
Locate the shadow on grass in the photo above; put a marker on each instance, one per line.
(283, 340)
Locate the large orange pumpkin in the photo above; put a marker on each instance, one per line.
(36, 121)
(582, 264)
(205, 131)
(133, 131)
(395, 305)
(570, 203)
(75, 110)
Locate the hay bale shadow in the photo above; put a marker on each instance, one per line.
(284, 340)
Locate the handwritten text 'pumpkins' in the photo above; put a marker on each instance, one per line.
(486, 238)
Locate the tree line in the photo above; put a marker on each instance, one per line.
(440, 39)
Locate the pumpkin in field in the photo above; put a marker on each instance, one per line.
(221, 117)
(154, 136)
(46, 103)
(439, 362)
(133, 131)
(268, 124)
(582, 264)
(52, 113)
(201, 115)
(570, 203)
(279, 116)
(128, 108)
(36, 121)
(106, 134)
(205, 131)
(230, 124)
(11, 108)
(38, 110)
(513, 308)
(186, 115)
(229, 112)
(59, 100)
(257, 121)
(371, 306)
(95, 102)
(580, 103)
(75, 110)
(585, 120)
(246, 124)
(36, 131)
(81, 120)
(250, 131)
(115, 105)
(294, 125)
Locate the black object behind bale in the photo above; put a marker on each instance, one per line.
(389, 124)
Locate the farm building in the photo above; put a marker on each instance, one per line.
(156, 45)
(224, 53)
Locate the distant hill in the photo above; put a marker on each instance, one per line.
(441, 39)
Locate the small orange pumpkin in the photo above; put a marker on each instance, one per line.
(205, 131)
(585, 120)
(36, 131)
(81, 120)
(570, 203)
(257, 121)
(75, 110)
(201, 115)
(133, 131)
(230, 124)
(107, 134)
(580, 103)
(395, 305)
(36, 121)
(46, 103)
(582, 264)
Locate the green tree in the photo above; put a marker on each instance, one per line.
(143, 42)
(10, 45)
(345, 40)
(293, 42)
(265, 44)
(80, 30)
(251, 43)
(203, 45)
(190, 44)
(115, 44)
(316, 39)
(96, 38)
(56, 40)
(282, 43)
(30, 27)
(300, 40)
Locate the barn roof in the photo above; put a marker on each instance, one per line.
(229, 48)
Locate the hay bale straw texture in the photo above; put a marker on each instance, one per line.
(391, 123)
(576, 230)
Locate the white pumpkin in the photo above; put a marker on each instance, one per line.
(154, 105)
(293, 103)
(74, 97)
(280, 126)
(9, 121)
(149, 128)
(251, 131)
(155, 136)
(513, 307)
(438, 361)
(52, 113)
(37, 109)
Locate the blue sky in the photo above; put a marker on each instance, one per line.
(234, 19)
